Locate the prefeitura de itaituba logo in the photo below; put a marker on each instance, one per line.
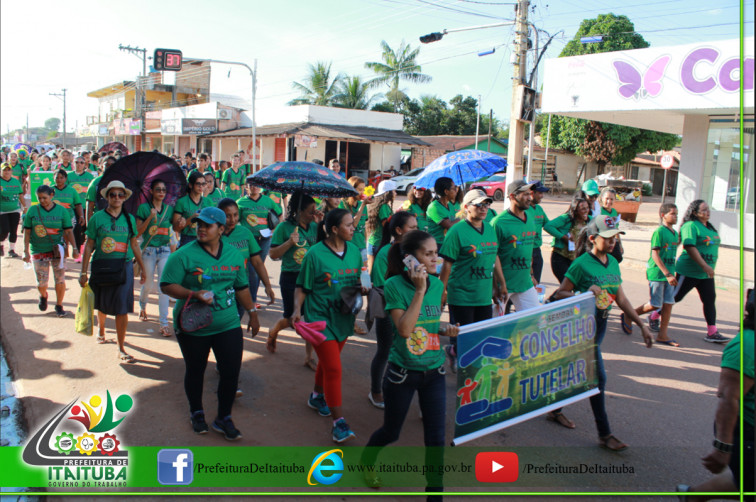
(85, 455)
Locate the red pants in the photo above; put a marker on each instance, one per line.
(328, 374)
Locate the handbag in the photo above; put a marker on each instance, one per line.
(195, 315)
(108, 272)
(273, 220)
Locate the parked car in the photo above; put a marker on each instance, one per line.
(405, 182)
(495, 185)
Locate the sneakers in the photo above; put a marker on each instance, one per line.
(12, 254)
(239, 393)
(682, 488)
(716, 338)
(198, 422)
(42, 303)
(319, 403)
(226, 427)
(341, 431)
(59, 311)
(449, 349)
(653, 324)
(378, 404)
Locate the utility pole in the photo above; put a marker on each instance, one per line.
(139, 101)
(519, 63)
(531, 132)
(63, 95)
(477, 124)
(490, 121)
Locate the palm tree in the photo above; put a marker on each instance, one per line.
(318, 89)
(397, 65)
(354, 93)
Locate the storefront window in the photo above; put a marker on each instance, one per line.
(721, 180)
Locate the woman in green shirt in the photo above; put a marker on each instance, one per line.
(416, 360)
(331, 265)
(566, 229)
(112, 244)
(417, 203)
(189, 206)
(67, 196)
(379, 210)
(442, 212)
(46, 227)
(292, 239)
(213, 194)
(595, 270)
(356, 205)
(606, 200)
(401, 223)
(210, 271)
(695, 267)
(11, 205)
(154, 223)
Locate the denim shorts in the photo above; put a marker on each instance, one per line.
(661, 292)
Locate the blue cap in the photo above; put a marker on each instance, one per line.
(212, 215)
(539, 187)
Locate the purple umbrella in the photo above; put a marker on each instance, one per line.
(138, 172)
(19, 146)
(115, 145)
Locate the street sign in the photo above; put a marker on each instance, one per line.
(167, 59)
(667, 161)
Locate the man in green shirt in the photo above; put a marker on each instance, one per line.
(66, 196)
(539, 217)
(19, 171)
(516, 231)
(234, 179)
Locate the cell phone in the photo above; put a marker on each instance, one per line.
(411, 262)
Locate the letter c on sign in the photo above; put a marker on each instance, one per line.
(687, 70)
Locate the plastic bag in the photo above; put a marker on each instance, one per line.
(85, 312)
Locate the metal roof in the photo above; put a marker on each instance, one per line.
(349, 133)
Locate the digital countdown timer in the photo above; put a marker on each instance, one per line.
(167, 59)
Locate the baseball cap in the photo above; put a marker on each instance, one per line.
(539, 187)
(7, 165)
(518, 186)
(605, 226)
(211, 215)
(385, 186)
(476, 196)
(590, 187)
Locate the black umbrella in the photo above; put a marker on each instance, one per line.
(306, 177)
(138, 172)
(112, 146)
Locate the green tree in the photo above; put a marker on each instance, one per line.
(595, 140)
(52, 124)
(461, 119)
(399, 65)
(318, 87)
(425, 117)
(354, 93)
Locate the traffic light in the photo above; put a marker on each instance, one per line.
(431, 37)
(167, 60)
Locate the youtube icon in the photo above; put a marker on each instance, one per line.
(496, 467)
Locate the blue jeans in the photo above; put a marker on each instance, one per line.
(597, 401)
(384, 336)
(254, 280)
(155, 258)
(399, 386)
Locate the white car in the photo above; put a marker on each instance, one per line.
(405, 181)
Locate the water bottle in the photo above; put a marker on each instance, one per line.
(541, 289)
(365, 278)
(28, 265)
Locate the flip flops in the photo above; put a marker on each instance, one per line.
(627, 327)
(671, 343)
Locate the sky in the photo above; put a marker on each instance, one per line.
(74, 44)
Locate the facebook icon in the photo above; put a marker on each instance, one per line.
(175, 467)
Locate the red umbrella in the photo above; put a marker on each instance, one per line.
(115, 145)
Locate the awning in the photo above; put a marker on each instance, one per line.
(335, 132)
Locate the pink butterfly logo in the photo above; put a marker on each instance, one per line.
(635, 85)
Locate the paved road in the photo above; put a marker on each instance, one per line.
(660, 401)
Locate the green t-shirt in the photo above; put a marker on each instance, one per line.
(358, 239)
(80, 182)
(194, 268)
(613, 213)
(705, 240)
(731, 360)
(9, 193)
(436, 213)
(559, 227)
(19, 171)
(384, 213)
(276, 197)
(516, 239)
(293, 257)
(540, 219)
(92, 189)
(234, 182)
(422, 219)
(253, 214)
(473, 256)
(67, 197)
(380, 265)
(490, 215)
(158, 233)
(243, 240)
(215, 197)
(111, 235)
(93, 168)
(666, 241)
(323, 275)
(186, 207)
(587, 270)
(422, 350)
(46, 227)
(26, 163)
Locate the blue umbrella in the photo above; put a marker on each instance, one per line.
(296, 176)
(461, 166)
(19, 146)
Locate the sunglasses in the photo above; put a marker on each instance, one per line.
(117, 195)
(483, 205)
(80, 162)
(159, 189)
